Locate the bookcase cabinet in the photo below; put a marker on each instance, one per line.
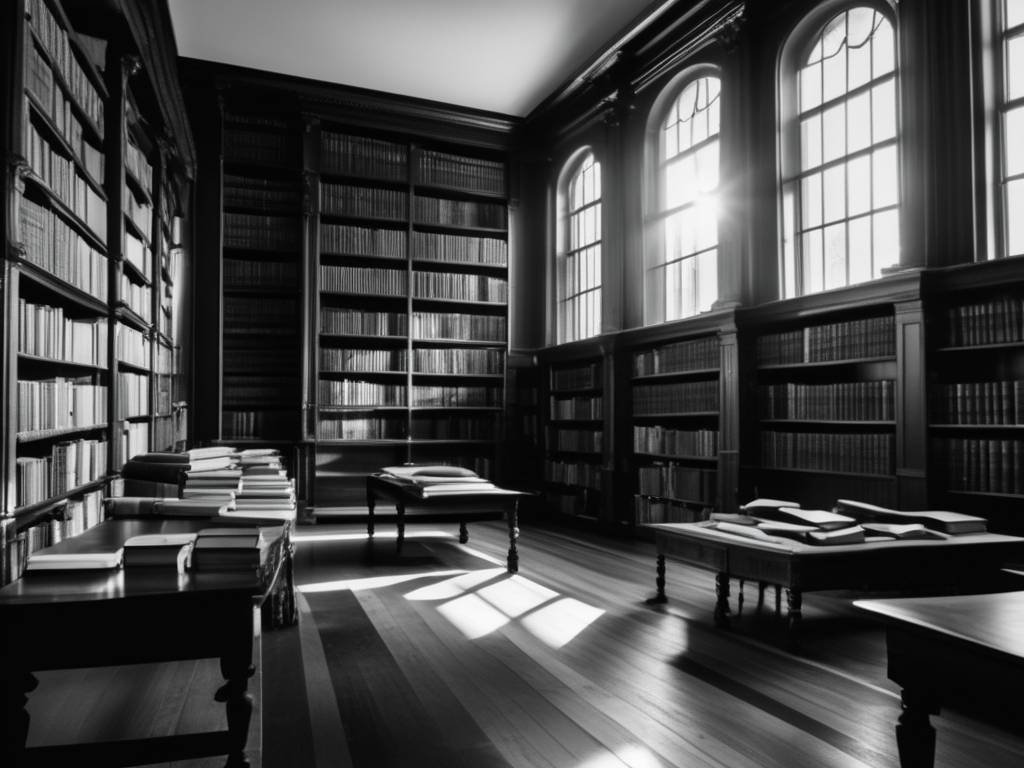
(95, 196)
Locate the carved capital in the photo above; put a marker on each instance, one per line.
(728, 34)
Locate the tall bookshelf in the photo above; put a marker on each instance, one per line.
(79, 272)
(411, 309)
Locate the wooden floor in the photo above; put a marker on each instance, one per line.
(439, 658)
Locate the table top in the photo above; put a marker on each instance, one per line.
(391, 483)
(703, 531)
(991, 621)
(115, 583)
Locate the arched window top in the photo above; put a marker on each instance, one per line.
(585, 184)
(578, 262)
(693, 117)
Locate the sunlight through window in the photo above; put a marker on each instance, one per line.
(371, 582)
(473, 616)
(633, 755)
(559, 622)
(459, 585)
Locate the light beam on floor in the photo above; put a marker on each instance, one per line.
(559, 622)
(371, 582)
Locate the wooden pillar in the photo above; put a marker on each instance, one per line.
(911, 407)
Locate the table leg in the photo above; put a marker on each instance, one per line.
(794, 615)
(739, 596)
(659, 581)
(371, 501)
(14, 689)
(513, 534)
(463, 532)
(722, 601)
(238, 704)
(400, 508)
(915, 736)
(760, 594)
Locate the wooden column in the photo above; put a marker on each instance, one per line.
(911, 407)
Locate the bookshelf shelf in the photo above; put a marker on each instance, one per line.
(24, 357)
(980, 428)
(851, 423)
(654, 378)
(852, 361)
(50, 434)
(56, 203)
(55, 138)
(830, 472)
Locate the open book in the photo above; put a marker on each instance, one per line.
(902, 531)
(940, 520)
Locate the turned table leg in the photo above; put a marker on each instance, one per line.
(513, 535)
(238, 704)
(722, 601)
(371, 501)
(463, 532)
(14, 689)
(915, 736)
(794, 617)
(400, 508)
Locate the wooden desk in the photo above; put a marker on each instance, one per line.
(491, 504)
(65, 620)
(939, 647)
(959, 563)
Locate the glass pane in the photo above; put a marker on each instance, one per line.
(886, 245)
(1015, 68)
(680, 181)
(810, 86)
(1015, 218)
(885, 177)
(834, 132)
(812, 267)
(833, 36)
(1013, 133)
(699, 123)
(860, 24)
(597, 222)
(706, 224)
(671, 141)
(714, 116)
(859, 47)
(810, 142)
(833, 76)
(707, 280)
(672, 288)
(883, 111)
(597, 181)
(859, 258)
(788, 247)
(858, 186)
(594, 267)
(1014, 12)
(575, 193)
(588, 226)
(810, 202)
(858, 122)
(707, 167)
(688, 287)
(883, 45)
(834, 193)
(835, 256)
(679, 235)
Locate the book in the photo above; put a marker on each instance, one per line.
(228, 548)
(853, 534)
(435, 471)
(817, 518)
(941, 520)
(757, 506)
(74, 561)
(165, 550)
(902, 531)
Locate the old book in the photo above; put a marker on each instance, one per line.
(853, 534)
(74, 561)
(902, 531)
(941, 520)
(164, 550)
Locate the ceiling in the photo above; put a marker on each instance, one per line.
(503, 56)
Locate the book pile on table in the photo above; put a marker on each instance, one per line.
(429, 480)
(164, 551)
(265, 490)
(233, 548)
(165, 473)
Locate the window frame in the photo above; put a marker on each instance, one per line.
(1003, 105)
(567, 306)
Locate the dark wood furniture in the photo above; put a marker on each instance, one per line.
(489, 504)
(942, 647)
(72, 619)
(959, 563)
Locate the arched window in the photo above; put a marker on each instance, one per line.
(579, 260)
(1011, 108)
(682, 274)
(840, 153)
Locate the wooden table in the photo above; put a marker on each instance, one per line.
(960, 563)
(73, 619)
(939, 647)
(489, 504)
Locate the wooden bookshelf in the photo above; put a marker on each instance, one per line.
(90, 210)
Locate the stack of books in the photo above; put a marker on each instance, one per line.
(774, 519)
(165, 551)
(265, 490)
(234, 548)
(431, 480)
(160, 473)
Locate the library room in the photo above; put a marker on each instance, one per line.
(565, 384)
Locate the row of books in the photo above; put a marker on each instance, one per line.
(362, 156)
(578, 377)
(459, 287)
(137, 164)
(363, 323)
(468, 173)
(333, 359)
(867, 337)
(61, 175)
(364, 280)
(69, 465)
(698, 443)
(255, 232)
(168, 359)
(242, 273)
(136, 253)
(359, 392)
(985, 465)
(132, 394)
(45, 331)
(462, 249)
(242, 424)
(984, 402)
(166, 434)
(995, 321)
(363, 241)
(132, 438)
(459, 326)
(365, 202)
(137, 297)
(649, 510)
(73, 517)
(426, 396)
(163, 394)
(583, 440)
(51, 99)
(57, 44)
(132, 346)
(139, 213)
(261, 194)
(465, 361)
(60, 403)
(871, 454)
(577, 407)
(459, 213)
(678, 357)
(579, 473)
(842, 401)
(674, 481)
(361, 428)
(683, 397)
(244, 314)
(262, 147)
(55, 247)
